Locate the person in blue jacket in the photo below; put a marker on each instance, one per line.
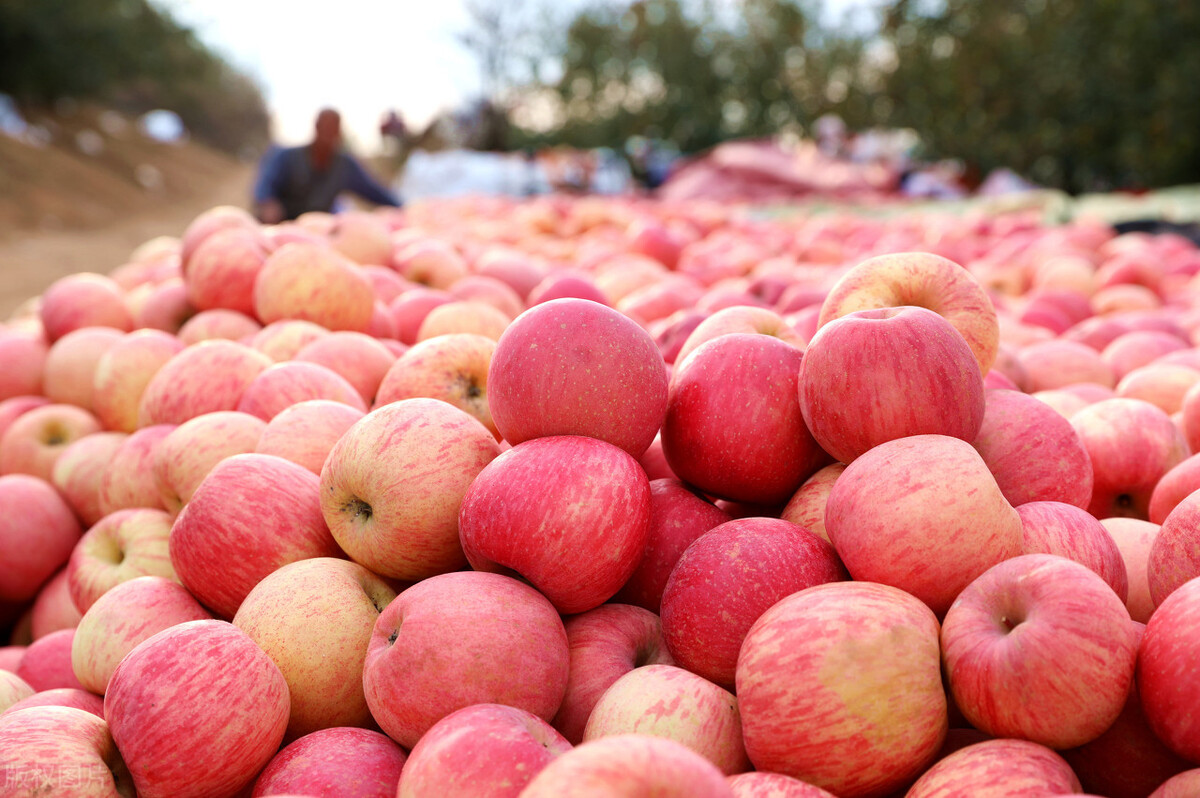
(295, 180)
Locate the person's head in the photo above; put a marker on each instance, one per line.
(328, 129)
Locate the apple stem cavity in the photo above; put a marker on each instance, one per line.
(358, 508)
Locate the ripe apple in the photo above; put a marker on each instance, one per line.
(306, 432)
(83, 300)
(203, 378)
(359, 359)
(24, 357)
(567, 513)
(71, 365)
(334, 762)
(12, 689)
(429, 261)
(54, 609)
(1061, 362)
(283, 340)
(1135, 539)
(121, 546)
(1182, 786)
(36, 439)
(1066, 530)
(1169, 655)
(410, 309)
(60, 697)
(806, 508)
(310, 282)
(201, 687)
(1175, 485)
(129, 480)
(124, 371)
(222, 270)
(773, 785)
(219, 324)
(998, 767)
(38, 531)
(79, 471)
(452, 368)
(190, 451)
(46, 663)
(459, 639)
(60, 751)
(285, 384)
(801, 678)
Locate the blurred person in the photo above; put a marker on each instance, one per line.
(296, 180)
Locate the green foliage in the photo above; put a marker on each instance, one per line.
(129, 53)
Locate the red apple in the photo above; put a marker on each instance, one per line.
(209, 325)
(60, 751)
(38, 531)
(54, 609)
(452, 368)
(359, 359)
(806, 508)
(71, 365)
(1135, 539)
(1168, 658)
(203, 378)
(34, 441)
(124, 371)
(61, 697)
(129, 480)
(313, 283)
(997, 767)
(24, 357)
(80, 469)
(306, 432)
(1066, 530)
(285, 384)
(46, 663)
(190, 451)
(773, 785)
(283, 340)
(83, 300)
(121, 546)
(222, 270)
(332, 763)
(1184, 785)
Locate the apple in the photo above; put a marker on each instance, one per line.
(359, 359)
(661, 299)
(574, 367)
(1181, 786)
(872, 376)
(802, 686)
(283, 340)
(1132, 444)
(124, 371)
(46, 663)
(285, 384)
(566, 284)
(24, 357)
(13, 689)
(924, 280)
(204, 378)
(129, 480)
(219, 324)
(670, 702)
(306, 432)
(13, 408)
(569, 514)
(1061, 362)
(121, 546)
(452, 368)
(314, 619)
(38, 531)
(1135, 539)
(1066, 530)
(513, 268)
(1162, 385)
(998, 767)
(310, 282)
(1137, 348)
(734, 427)
(213, 220)
(459, 639)
(80, 469)
(429, 262)
(332, 763)
(187, 454)
(923, 514)
(54, 609)
(410, 309)
(251, 515)
(1168, 656)
(83, 300)
(491, 291)
(162, 306)
(740, 319)
(806, 508)
(35, 440)
(773, 785)
(202, 687)
(222, 270)
(485, 749)
(1032, 451)
(727, 578)
(629, 765)
(60, 751)
(1040, 648)
(1174, 486)
(71, 365)
(60, 697)
(475, 318)
(395, 508)
(121, 619)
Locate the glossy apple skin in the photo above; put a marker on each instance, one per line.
(1175, 553)
(1066, 530)
(46, 663)
(923, 514)
(314, 619)
(202, 687)
(223, 268)
(727, 578)
(204, 378)
(1167, 661)
(574, 367)
(734, 427)
(38, 532)
(459, 639)
(605, 644)
(285, 384)
(629, 764)
(283, 340)
(359, 359)
(61, 751)
(334, 762)
(1135, 539)
(1000, 767)
(1032, 451)
(800, 678)
(877, 375)
(71, 364)
(54, 609)
(123, 617)
(570, 514)
(666, 701)
(1040, 648)
(392, 486)
(740, 319)
(485, 749)
(806, 508)
(452, 368)
(61, 697)
(253, 514)
(1184, 785)
(306, 432)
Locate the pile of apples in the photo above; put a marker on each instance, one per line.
(606, 497)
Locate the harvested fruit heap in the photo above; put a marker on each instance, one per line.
(583, 497)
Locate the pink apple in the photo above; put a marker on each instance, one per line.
(1032, 451)
(54, 609)
(60, 697)
(306, 432)
(876, 375)
(569, 514)
(34, 441)
(283, 340)
(1138, 348)
(313, 283)
(1175, 486)
(605, 643)
(190, 451)
(359, 359)
(654, 462)
(410, 309)
(629, 765)
(285, 384)
(201, 687)
(203, 378)
(46, 663)
(1184, 785)
(1132, 444)
(209, 325)
(494, 292)
(1040, 648)
(606, 368)
(1066, 530)
(475, 318)
(923, 514)
(1175, 554)
(222, 217)
(361, 236)
(1061, 362)
(740, 319)
(162, 306)
(13, 408)
(71, 365)
(566, 285)
(83, 300)
(806, 508)
(773, 785)
(80, 469)
(251, 515)
(729, 577)
(24, 357)
(429, 262)
(13, 689)
(314, 619)
(670, 702)
(124, 371)
(123, 617)
(1162, 385)
(395, 509)
(452, 368)
(120, 547)
(800, 687)
(222, 270)
(1168, 657)
(513, 268)
(998, 767)
(485, 749)
(38, 531)
(1135, 539)
(332, 763)
(61, 751)
(129, 480)
(459, 639)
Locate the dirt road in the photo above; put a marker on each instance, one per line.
(30, 261)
